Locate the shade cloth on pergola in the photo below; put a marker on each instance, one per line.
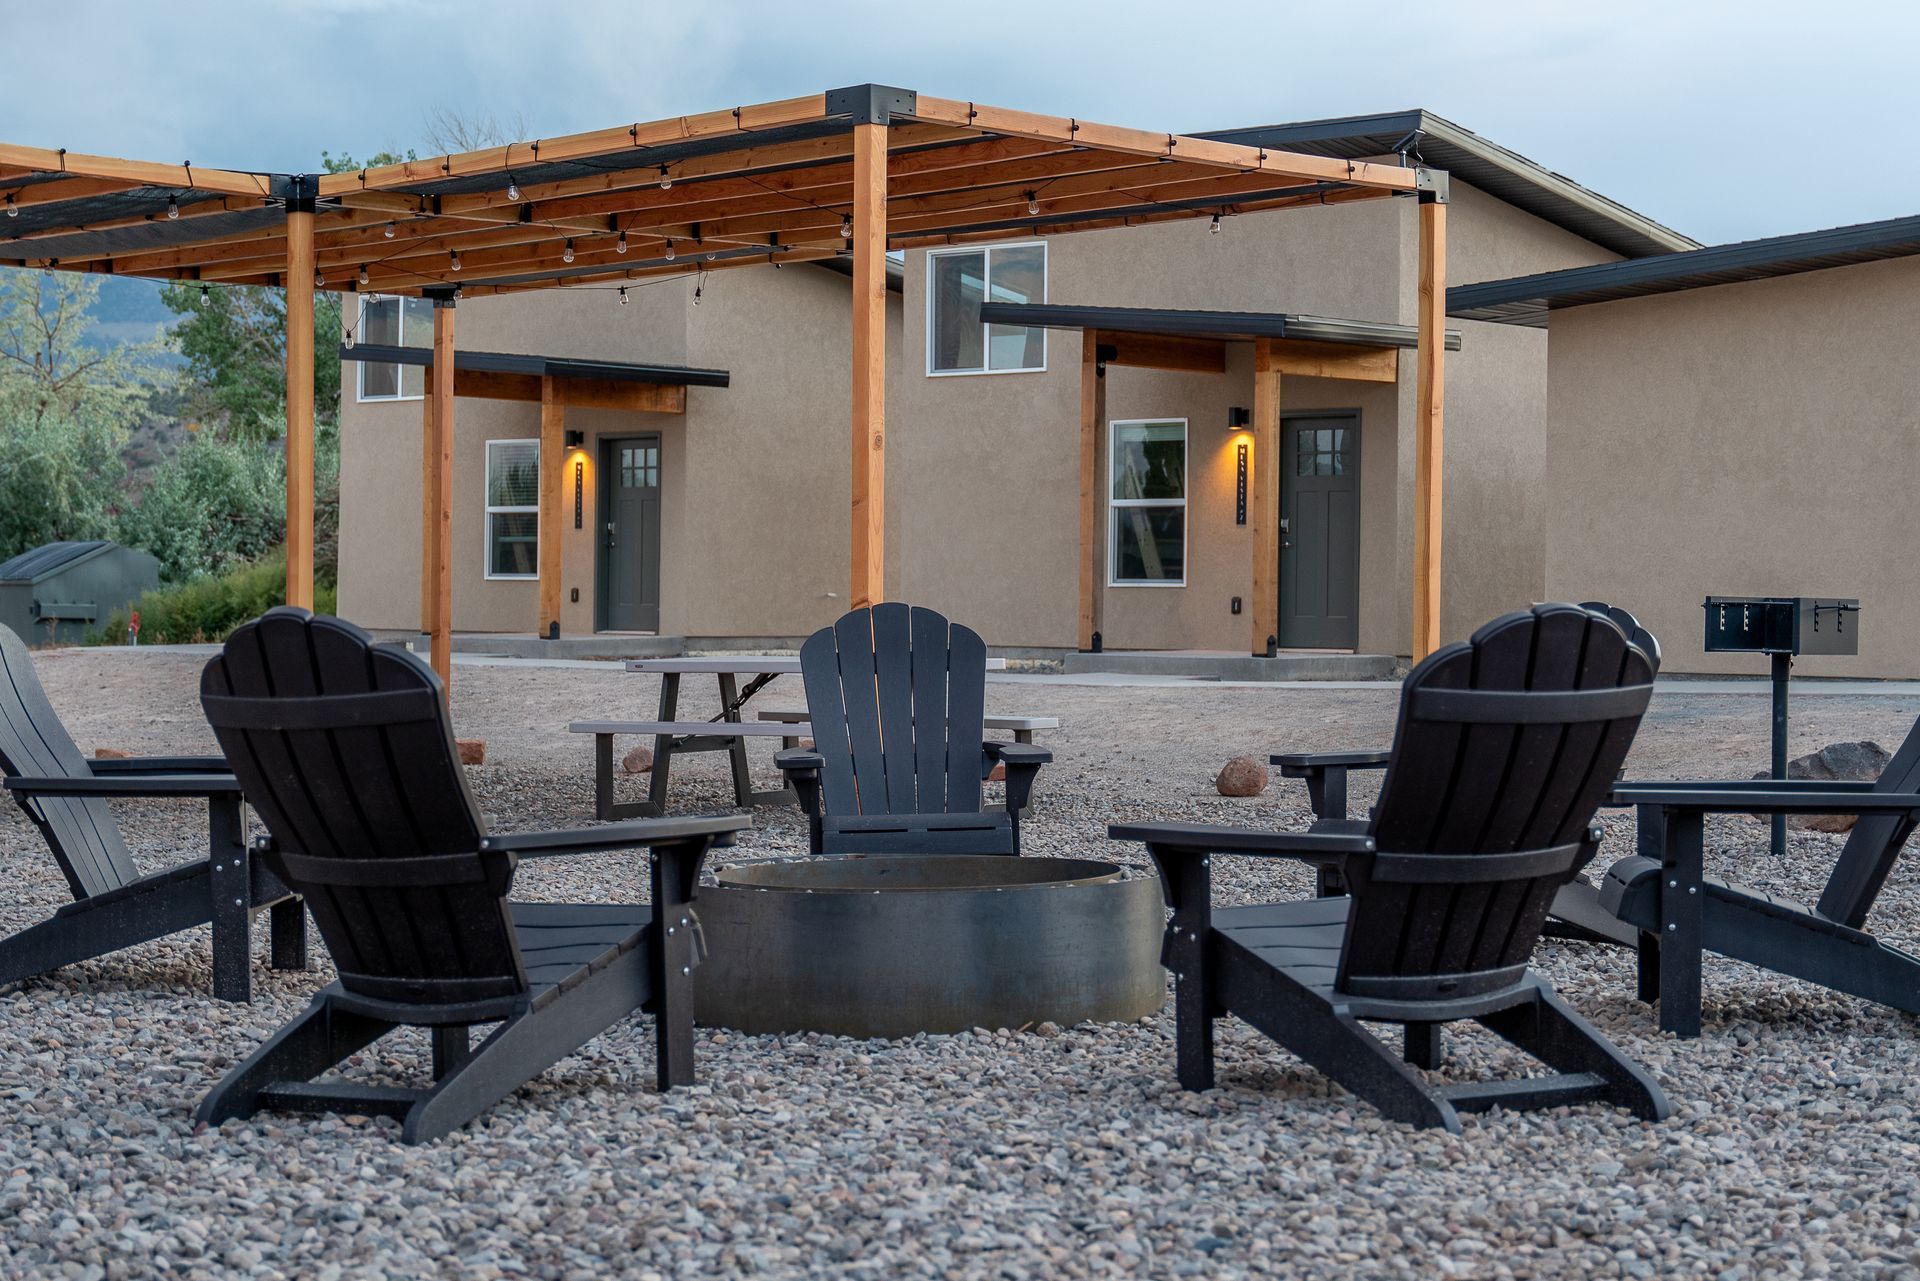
(850, 173)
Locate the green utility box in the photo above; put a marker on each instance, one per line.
(56, 594)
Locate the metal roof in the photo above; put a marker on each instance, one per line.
(1226, 326)
(497, 362)
(32, 566)
(1480, 163)
(1527, 300)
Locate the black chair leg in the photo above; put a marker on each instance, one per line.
(300, 1051)
(232, 889)
(287, 930)
(1649, 967)
(451, 1047)
(1425, 1045)
(1549, 1030)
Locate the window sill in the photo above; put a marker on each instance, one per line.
(980, 373)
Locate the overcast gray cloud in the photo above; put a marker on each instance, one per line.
(1726, 121)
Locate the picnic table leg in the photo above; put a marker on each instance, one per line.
(663, 744)
(730, 711)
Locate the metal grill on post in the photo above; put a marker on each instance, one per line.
(1782, 626)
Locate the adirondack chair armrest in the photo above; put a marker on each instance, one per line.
(1325, 774)
(1716, 798)
(632, 834)
(115, 766)
(1023, 762)
(1182, 841)
(802, 766)
(143, 785)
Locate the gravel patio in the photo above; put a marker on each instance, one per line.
(1004, 1153)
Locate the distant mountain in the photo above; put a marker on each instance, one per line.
(129, 310)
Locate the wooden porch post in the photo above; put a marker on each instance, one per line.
(553, 465)
(440, 489)
(1263, 496)
(300, 270)
(1092, 406)
(1429, 427)
(429, 510)
(869, 363)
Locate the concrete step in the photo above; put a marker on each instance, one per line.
(1239, 667)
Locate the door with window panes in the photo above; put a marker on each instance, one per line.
(1320, 531)
(630, 534)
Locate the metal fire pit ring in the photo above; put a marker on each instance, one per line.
(887, 946)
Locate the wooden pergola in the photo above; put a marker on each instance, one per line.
(850, 173)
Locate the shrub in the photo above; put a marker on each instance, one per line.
(208, 609)
(211, 507)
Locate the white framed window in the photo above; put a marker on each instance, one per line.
(394, 322)
(1147, 502)
(958, 281)
(513, 509)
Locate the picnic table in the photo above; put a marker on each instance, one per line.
(728, 732)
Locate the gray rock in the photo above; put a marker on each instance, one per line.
(1857, 762)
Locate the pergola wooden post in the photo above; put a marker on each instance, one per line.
(553, 464)
(439, 486)
(1263, 499)
(1430, 395)
(299, 452)
(869, 363)
(1092, 410)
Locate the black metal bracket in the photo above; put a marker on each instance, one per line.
(871, 104)
(303, 192)
(1432, 186)
(439, 295)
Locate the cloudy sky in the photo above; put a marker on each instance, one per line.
(1726, 121)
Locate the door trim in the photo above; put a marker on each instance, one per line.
(604, 447)
(1359, 525)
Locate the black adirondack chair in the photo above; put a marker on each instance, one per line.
(1678, 912)
(114, 906)
(1505, 747)
(346, 750)
(897, 697)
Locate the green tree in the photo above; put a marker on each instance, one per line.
(212, 505)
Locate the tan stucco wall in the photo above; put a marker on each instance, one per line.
(1746, 439)
(983, 471)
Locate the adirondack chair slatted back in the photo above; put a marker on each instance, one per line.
(1505, 748)
(1637, 635)
(346, 750)
(897, 697)
(1874, 844)
(34, 744)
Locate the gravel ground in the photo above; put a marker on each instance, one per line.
(996, 1154)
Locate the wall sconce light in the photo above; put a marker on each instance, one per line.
(1240, 484)
(576, 439)
(1239, 418)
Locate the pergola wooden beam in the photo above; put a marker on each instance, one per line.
(437, 491)
(869, 552)
(1429, 433)
(138, 172)
(299, 541)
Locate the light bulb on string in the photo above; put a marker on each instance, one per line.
(319, 281)
(513, 189)
(173, 207)
(623, 295)
(566, 254)
(846, 227)
(696, 294)
(349, 340)
(1214, 227)
(455, 262)
(206, 296)
(620, 245)
(670, 251)
(666, 179)
(389, 231)
(1033, 203)
(362, 277)
(13, 208)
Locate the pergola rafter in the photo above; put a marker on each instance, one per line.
(851, 173)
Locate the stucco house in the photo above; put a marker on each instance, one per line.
(1738, 420)
(727, 522)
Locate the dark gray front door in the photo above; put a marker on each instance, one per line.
(630, 534)
(1320, 531)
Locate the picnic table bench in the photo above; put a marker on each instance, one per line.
(727, 732)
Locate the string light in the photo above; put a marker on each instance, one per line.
(620, 245)
(1033, 202)
(846, 227)
(13, 210)
(389, 231)
(1214, 228)
(456, 260)
(513, 189)
(666, 179)
(623, 295)
(206, 296)
(349, 340)
(363, 275)
(566, 255)
(696, 294)
(459, 292)
(173, 207)
(319, 280)
(670, 251)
